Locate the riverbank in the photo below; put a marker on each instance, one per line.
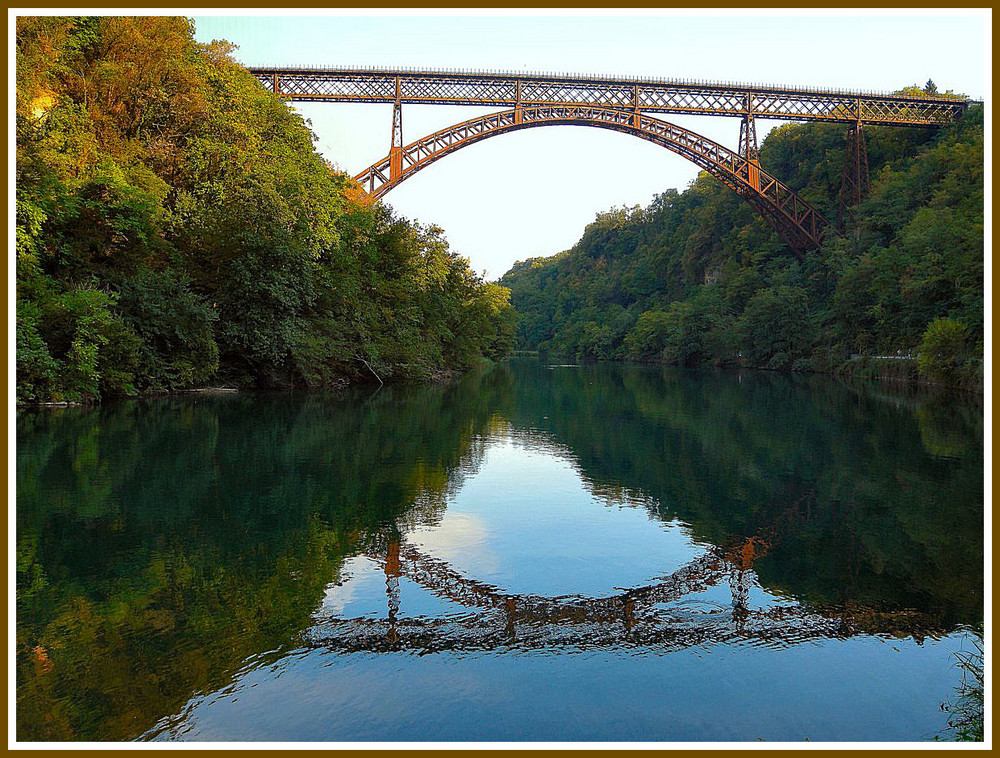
(694, 278)
(905, 370)
(199, 248)
(880, 368)
(337, 384)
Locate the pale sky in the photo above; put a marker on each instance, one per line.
(532, 192)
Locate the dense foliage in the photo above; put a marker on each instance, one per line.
(176, 226)
(697, 278)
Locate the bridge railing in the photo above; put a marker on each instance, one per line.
(651, 96)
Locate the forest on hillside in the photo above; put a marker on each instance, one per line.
(697, 278)
(176, 227)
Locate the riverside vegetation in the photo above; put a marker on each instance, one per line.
(176, 226)
(697, 278)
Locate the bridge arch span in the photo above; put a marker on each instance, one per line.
(799, 224)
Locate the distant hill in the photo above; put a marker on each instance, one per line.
(696, 277)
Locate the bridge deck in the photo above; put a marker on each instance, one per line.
(509, 90)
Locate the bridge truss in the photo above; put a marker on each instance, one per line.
(621, 104)
(648, 95)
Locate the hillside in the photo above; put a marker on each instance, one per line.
(176, 227)
(697, 278)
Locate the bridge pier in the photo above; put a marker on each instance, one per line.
(628, 614)
(854, 183)
(510, 613)
(740, 582)
(748, 139)
(748, 149)
(741, 558)
(396, 147)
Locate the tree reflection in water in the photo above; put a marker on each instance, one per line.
(165, 545)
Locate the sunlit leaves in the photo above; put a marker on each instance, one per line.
(158, 168)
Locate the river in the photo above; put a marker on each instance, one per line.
(536, 552)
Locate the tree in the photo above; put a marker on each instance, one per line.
(944, 350)
(774, 328)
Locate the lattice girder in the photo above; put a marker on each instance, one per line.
(652, 96)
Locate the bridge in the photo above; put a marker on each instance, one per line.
(623, 105)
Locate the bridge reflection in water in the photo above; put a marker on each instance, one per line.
(649, 616)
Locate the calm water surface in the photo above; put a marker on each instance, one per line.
(535, 552)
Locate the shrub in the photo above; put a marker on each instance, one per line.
(36, 368)
(944, 350)
(177, 349)
(648, 336)
(73, 347)
(98, 343)
(775, 328)
(966, 720)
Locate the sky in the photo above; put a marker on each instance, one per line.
(531, 193)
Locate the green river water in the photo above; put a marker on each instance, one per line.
(535, 552)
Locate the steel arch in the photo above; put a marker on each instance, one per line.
(801, 225)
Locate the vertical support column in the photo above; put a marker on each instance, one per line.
(748, 139)
(392, 573)
(854, 184)
(635, 106)
(748, 144)
(518, 114)
(275, 87)
(396, 149)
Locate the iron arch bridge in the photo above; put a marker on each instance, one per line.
(620, 104)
